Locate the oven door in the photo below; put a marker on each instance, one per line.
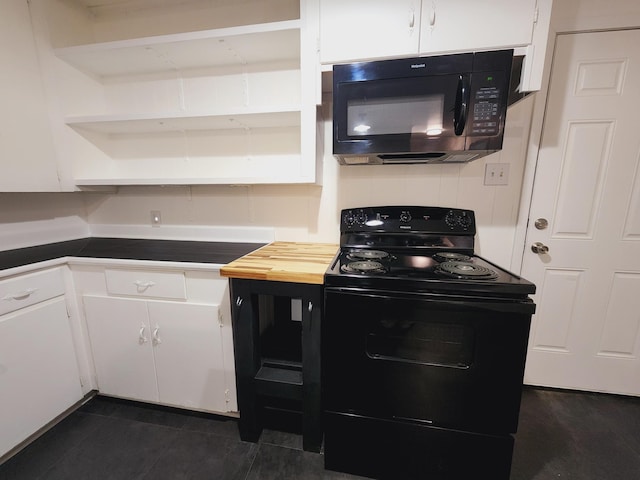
(446, 361)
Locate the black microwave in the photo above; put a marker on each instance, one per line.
(440, 109)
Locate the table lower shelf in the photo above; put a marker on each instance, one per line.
(280, 380)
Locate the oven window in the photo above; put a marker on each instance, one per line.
(421, 343)
(392, 115)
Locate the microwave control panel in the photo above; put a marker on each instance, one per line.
(487, 100)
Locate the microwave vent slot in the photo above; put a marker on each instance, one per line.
(427, 157)
(412, 157)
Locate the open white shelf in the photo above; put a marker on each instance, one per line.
(199, 180)
(236, 119)
(184, 103)
(250, 44)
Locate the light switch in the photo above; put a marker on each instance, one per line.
(496, 174)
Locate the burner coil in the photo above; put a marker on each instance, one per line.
(465, 270)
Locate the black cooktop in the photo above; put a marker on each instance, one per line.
(416, 249)
(423, 272)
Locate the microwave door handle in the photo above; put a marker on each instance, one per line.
(462, 104)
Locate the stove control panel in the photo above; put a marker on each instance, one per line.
(436, 220)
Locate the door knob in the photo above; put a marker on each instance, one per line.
(539, 248)
(541, 223)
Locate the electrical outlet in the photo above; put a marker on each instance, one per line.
(496, 174)
(156, 218)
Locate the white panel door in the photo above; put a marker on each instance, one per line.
(586, 332)
(121, 342)
(188, 355)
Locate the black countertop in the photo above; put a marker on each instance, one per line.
(130, 249)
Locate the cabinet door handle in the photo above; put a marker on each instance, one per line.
(141, 338)
(239, 301)
(412, 19)
(310, 307)
(20, 295)
(142, 286)
(432, 16)
(156, 336)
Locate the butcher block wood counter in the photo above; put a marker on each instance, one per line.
(296, 262)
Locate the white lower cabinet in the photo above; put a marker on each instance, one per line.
(122, 353)
(39, 376)
(188, 355)
(162, 351)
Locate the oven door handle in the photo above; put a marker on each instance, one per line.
(518, 305)
(398, 359)
(524, 306)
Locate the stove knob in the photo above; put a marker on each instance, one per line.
(451, 219)
(405, 217)
(464, 220)
(361, 218)
(349, 218)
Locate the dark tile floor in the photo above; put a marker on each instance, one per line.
(564, 435)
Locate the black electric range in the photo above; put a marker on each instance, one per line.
(424, 347)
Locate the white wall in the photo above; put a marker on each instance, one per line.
(302, 213)
(311, 213)
(28, 219)
(581, 15)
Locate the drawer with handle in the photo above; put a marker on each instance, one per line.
(29, 289)
(146, 283)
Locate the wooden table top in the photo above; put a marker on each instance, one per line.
(297, 262)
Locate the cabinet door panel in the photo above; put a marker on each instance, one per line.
(355, 30)
(122, 347)
(188, 355)
(459, 25)
(39, 376)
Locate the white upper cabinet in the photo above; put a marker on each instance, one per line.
(189, 93)
(353, 30)
(459, 25)
(357, 30)
(27, 155)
